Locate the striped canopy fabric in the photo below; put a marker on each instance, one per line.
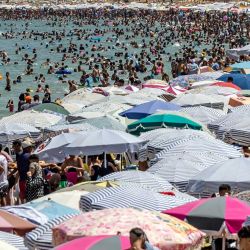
(41, 237)
(203, 114)
(179, 169)
(233, 127)
(124, 197)
(69, 128)
(145, 179)
(13, 240)
(234, 172)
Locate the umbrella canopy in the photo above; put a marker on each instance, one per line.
(52, 149)
(241, 65)
(155, 84)
(12, 131)
(130, 196)
(160, 121)
(6, 246)
(163, 231)
(67, 128)
(15, 241)
(97, 243)
(223, 172)
(105, 140)
(148, 180)
(178, 170)
(106, 121)
(72, 198)
(33, 118)
(51, 107)
(227, 85)
(148, 108)
(41, 237)
(131, 88)
(213, 214)
(11, 222)
(175, 90)
(203, 114)
(51, 209)
(241, 80)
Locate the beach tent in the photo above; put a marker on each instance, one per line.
(163, 231)
(223, 172)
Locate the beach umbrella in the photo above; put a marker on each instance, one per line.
(12, 240)
(241, 80)
(105, 141)
(154, 182)
(179, 169)
(131, 88)
(201, 84)
(160, 121)
(130, 196)
(214, 90)
(68, 128)
(241, 65)
(175, 90)
(226, 84)
(211, 101)
(163, 231)
(12, 223)
(33, 118)
(41, 237)
(97, 242)
(53, 148)
(72, 198)
(12, 131)
(203, 114)
(106, 122)
(155, 84)
(51, 209)
(73, 107)
(223, 172)
(245, 92)
(213, 215)
(148, 108)
(54, 107)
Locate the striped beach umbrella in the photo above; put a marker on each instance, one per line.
(41, 237)
(14, 241)
(145, 179)
(234, 172)
(164, 232)
(129, 196)
(213, 215)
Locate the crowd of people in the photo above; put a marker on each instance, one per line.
(122, 47)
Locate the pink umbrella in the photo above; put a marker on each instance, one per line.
(175, 90)
(214, 214)
(131, 88)
(92, 242)
(156, 84)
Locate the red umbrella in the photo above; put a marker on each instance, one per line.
(226, 84)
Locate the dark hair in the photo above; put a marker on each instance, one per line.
(34, 157)
(230, 79)
(224, 187)
(244, 232)
(1, 147)
(138, 232)
(17, 143)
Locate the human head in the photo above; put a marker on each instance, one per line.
(34, 168)
(34, 158)
(138, 236)
(224, 189)
(244, 237)
(17, 146)
(27, 146)
(230, 79)
(36, 98)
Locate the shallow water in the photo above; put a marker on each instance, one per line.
(58, 89)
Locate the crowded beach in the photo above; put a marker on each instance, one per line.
(125, 126)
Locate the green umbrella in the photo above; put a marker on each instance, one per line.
(161, 121)
(51, 107)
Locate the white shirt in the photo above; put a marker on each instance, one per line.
(4, 165)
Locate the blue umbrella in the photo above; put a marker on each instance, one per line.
(148, 108)
(52, 209)
(241, 65)
(241, 80)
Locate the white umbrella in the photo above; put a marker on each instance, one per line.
(10, 241)
(11, 131)
(105, 141)
(69, 128)
(53, 149)
(234, 172)
(33, 118)
(72, 198)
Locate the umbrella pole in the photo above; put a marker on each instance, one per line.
(105, 160)
(223, 241)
